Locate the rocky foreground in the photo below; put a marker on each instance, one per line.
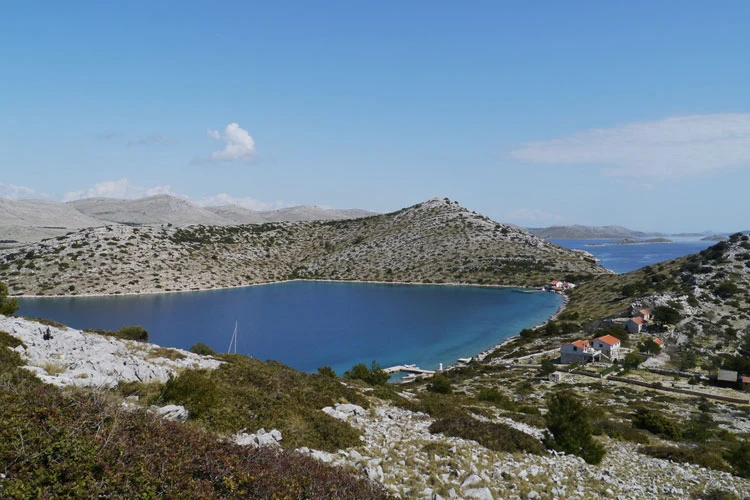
(397, 449)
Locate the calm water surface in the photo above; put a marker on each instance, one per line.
(626, 258)
(311, 324)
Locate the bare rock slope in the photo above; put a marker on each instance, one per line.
(437, 241)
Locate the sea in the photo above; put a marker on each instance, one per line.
(310, 324)
(626, 258)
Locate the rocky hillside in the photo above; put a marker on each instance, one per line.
(704, 299)
(437, 241)
(481, 435)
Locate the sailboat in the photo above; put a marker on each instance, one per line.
(233, 341)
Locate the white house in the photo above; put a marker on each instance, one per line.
(635, 325)
(608, 345)
(645, 314)
(579, 351)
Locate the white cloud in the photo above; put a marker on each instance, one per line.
(121, 188)
(239, 144)
(672, 147)
(533, 217)
(15, 192)
(244, 202)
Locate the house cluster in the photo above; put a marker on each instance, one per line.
(606, 347)
(639, 322)
(559, 286)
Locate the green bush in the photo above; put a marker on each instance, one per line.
(739, 458)
(569, 428)
(7, 306)
(623, 431)
(726, 290)
(193, 389)
(441, 384)
(202, 349)
(492, 395)
(374, 375)
(632, 360)
(495, 436)
(327, 371)
(667, 315)
(699, 456)
(657, 423)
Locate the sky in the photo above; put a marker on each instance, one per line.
(537, 113)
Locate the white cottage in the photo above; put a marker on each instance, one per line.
(609, 346)
(579, 351)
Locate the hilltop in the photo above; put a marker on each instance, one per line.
(437, 241)
(30, 221)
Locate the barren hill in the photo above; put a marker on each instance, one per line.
(159, 209)
(437, 241)
(31, 221)
(239, 215)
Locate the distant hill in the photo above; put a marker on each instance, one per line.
(437, 241)
(30, 221)
(590, 232)
(240, 215)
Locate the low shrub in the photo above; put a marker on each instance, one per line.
(657, 423)
(441, 384)
(202, 349)
(569, 428)
(492, 435)
(697, 455)
(374, 375)
(622, 431)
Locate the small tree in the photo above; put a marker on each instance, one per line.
(7, 306)
(441, 384)
(202, 349)
(374, 375)
(650, 347)
(569, 428)
(547, 367)
(632, 360)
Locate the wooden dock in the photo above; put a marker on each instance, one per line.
(409, 369)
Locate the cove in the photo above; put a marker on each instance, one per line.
(309, 324)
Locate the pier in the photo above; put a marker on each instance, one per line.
(409, 369)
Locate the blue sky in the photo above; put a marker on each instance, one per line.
(535, 113)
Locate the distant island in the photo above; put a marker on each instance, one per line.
(628, 241)
(579, 232)
(714, 237)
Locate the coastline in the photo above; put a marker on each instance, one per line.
(479, 356)
(263, 283)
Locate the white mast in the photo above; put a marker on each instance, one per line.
(233, 340)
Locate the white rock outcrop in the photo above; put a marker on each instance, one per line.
(71, 357)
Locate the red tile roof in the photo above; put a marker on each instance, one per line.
(746, 380)
(608, 339)
(581, 344)
(658, 341)
(637, 320)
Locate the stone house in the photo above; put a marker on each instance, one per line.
(609, 346)
(635, 325)
(579, 351)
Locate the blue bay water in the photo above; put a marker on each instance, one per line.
(307, 324)
(626, 258)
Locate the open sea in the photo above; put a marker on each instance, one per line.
(626, 258)
(307, 324)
